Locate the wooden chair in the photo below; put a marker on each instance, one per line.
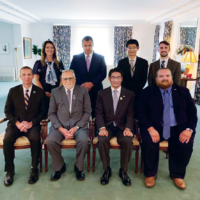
(70, 144)
(23, 142)
(114, 145)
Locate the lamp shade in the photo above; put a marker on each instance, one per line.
(189, 57)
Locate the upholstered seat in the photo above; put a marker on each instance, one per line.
(163, 144)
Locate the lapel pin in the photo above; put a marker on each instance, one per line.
(124, 96)
(34, 92)
(39, 70)
(74, 97)
(121, 98)
(174, 89)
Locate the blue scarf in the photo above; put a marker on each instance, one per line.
(50, 74)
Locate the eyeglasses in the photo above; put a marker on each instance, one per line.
(70, 79)
(132, 48)
(116, 77)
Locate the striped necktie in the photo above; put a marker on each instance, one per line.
(163, 64)
(26, 99)
(132, 68)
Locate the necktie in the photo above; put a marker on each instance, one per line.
(132, 68)
(26, 99)
(88, 62)
(166, 116)
(115, 102)
(69, 98)
(163, 64)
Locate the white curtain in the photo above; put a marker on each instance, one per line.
(103, 38)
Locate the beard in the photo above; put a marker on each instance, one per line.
(164, 84)
(163, 54)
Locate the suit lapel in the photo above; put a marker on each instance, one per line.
(121, 101)
(127, 66)
(21, 95)
(109, 99)
(169, 65)
(92, 63)
(64, 97)
(74, 97)
(84, 62)
(175, 98)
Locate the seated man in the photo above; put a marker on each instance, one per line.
(25, 108)
(69, 113)
(166, 111)
(114, 117)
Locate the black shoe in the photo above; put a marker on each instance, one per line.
(9, 178)
(80, 175)
(125, 178)
(105, 177)
(34, 176)
(56, 175)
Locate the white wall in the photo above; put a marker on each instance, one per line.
(7, 35)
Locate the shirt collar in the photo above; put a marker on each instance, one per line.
(169, 90)
(29, 89)
(70, 90)
(90, 55)
(133, 59)
(118, 89)
(166, 60)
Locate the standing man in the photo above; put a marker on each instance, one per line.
(90, 70)
(25, 108)
(69, 113)
(134, 68)
(114, 117)
(165, 62)
(166, 111)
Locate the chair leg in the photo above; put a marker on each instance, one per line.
(141, 164)
(93, 158)
(41, 161)
(88, 159)
(167, 154)
(46, 157)
(136, 160)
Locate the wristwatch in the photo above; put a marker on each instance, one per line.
(189, 129)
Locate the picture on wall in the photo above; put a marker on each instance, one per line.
(27, 42)
(4, 48)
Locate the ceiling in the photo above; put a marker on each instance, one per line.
(93, 10)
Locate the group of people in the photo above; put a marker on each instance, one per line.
(165, 110)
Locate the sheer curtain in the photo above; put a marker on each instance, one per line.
(103, 38)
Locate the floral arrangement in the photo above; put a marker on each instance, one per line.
(183, 49)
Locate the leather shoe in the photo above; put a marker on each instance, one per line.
(9, 178)
(106, 175)
(57, 174)
(34, 176)
(150, 181)
(125, 178)
(180, 183)
(80, 175)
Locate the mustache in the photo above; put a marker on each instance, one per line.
(165, 81)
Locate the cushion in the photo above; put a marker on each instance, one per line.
(68, 142)
(163, 144)
(113, 141)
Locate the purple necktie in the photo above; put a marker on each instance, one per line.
(88, 62)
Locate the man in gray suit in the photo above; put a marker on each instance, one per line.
(69, 113)
(165, 62)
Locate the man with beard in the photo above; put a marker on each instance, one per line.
(165, 62)
(166, 111)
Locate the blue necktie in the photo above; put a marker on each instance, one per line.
(166, 115)
(163, 64)
(26, 99)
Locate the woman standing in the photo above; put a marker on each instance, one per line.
(47, 71)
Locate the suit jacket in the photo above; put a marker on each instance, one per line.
(124, 116)
(137, 82)
(15, 106)
(97, 71)
(59, 114)
(150, 108)
(173, 65)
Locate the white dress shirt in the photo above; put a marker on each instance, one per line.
(166, 62)
(29, 91)
(134, 60)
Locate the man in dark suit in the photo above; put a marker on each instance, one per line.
(25, 108)
(114, 117)
(134, 68)
(69, 113)
(165, 62)
(90, 70)
(166, 111)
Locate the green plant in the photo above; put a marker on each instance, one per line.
(35, 49)
(39, 51)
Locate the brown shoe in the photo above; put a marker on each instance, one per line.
(150, 181)
(180, 183)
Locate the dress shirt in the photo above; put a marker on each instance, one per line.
(29, 91)
(166, 62)
(70, 107)
(172, 115)
(90, 56)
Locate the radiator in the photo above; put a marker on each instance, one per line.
(7, 74)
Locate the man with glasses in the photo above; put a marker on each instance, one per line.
(90, 70)
(69, 113)
(115, 117)
(134, 68)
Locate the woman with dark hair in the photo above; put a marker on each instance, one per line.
(47, 71)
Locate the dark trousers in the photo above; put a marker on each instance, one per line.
(125, 143)
(93, 98)
(179, 154)
(12, 133)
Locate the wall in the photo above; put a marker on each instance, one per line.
(7, 35)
